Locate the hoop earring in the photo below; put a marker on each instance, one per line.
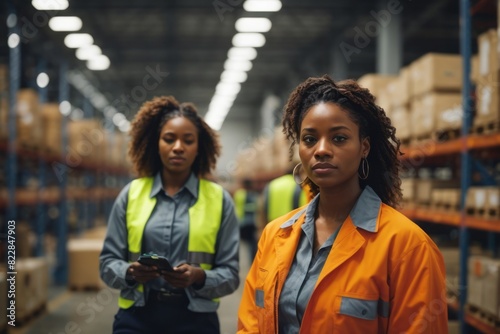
(365, 169)
(296, 174)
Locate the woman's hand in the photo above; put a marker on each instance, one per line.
(184, 276)
(142, 273)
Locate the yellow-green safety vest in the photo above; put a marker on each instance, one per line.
(202, 231)
(283, 196)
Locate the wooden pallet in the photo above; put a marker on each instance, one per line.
(445, 135)
(484, 316)
(446, 207)
(476, 212)
(492, 213)
(486, 127)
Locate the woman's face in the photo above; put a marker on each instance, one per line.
(329, 146)
(178, 144)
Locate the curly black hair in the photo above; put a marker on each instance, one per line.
(145, 133)
(372, 121)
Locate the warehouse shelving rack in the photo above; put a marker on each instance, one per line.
(38, 201)
(463, 146)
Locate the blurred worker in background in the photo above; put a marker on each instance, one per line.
(283, 194)
(172, 211)
(245, 200)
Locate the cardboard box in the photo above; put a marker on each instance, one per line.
(83, 259)
(29, 131)
(52, 128)
(424, 188)
(475, 278)
(491, 286)
(487, 103)
(4, 78)
(384, 98)
(435, 111)
(408, 186)
(447, 108)
(451, 257)
(400, 119)
(488, 52)
(375, 82)
(492, 205)
(474, 69)
(32, 283)
(400, 88)
(475, 200)
(86, 141)
(436, 72)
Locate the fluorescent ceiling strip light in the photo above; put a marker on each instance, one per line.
(242, 53)
(78, 40)
(238, 65)
(253, 24)
(88, 52)
(98, 63)
(262, 5)
(50, 4)
(65, 23)
(249, 39)
(233, 76)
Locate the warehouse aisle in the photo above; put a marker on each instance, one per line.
(93, 311)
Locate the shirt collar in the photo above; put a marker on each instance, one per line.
(364, 214)
(191, 185)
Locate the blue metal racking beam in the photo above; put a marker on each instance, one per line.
(61, 269)
(41, 208)
(14, 85)
(466, 162)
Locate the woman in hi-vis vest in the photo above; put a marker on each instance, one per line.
(348, 262)
(171, 211)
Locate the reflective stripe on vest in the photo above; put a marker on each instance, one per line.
(202, 231)
(280, 199)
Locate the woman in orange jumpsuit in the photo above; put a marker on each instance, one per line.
(348, 262)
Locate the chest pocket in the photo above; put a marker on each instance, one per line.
(363, 308)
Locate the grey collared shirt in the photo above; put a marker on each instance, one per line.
(166, 233)
(306, 267)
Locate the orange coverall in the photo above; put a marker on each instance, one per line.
(383, 277)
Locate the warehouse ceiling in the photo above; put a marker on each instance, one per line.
(183, 45)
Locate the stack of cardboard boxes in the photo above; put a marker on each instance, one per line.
(436, 81)
(483, 285)
(487, 116)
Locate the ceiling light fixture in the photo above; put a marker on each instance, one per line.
(242, 53)
(262, 5)
(42, 80)
(249, 39)
(88, 52)
(50, 4)
(253, 24)
(78, 40)
(233, 76)
(65, 23)
(237, 65)
(99, 63)
(227, 88)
